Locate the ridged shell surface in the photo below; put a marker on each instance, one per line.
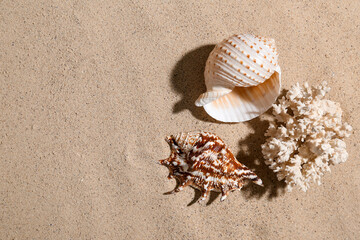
(246, 66)
(202, 160)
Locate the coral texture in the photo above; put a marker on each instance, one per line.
(307, 137)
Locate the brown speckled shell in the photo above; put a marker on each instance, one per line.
(202, 160)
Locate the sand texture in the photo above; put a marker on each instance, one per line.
(89, 90)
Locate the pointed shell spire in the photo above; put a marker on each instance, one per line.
(242, 78)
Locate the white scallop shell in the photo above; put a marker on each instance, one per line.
(242, 78)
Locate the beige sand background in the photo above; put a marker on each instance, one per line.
(89, 90)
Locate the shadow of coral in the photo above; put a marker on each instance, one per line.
(187, 78)
(251, 155)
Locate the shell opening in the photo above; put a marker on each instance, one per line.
(245, 103)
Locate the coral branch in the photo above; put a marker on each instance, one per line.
(307, 137)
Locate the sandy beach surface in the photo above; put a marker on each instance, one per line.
(89, 90)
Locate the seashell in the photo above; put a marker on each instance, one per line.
(242, 77)
(202, 160)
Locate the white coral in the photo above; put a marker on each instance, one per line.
(307, 137)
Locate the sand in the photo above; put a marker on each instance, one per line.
(89, 90)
